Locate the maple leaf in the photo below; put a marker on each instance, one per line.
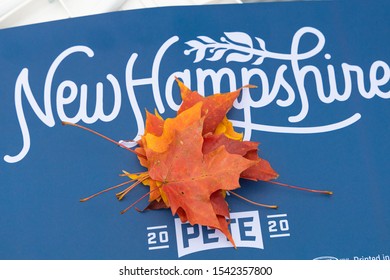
(215, 107)
(189, 177)
(159, 134)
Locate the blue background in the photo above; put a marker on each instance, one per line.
(40, 216)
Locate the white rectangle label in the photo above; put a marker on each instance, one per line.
(244, 226)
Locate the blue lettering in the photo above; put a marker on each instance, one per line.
(244, 229)
(187, 235)
(206, 232)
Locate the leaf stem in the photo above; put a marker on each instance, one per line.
(102, 136)
(122, 194)
(300, 188)
(106, 190)
(138, 200)
(252, 202)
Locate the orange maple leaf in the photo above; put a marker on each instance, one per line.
(189, 177)
(215, 107)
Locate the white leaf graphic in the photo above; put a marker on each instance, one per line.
(199, 47)
(240, 37)
(217, 55)
(200, 53)
(195, 44)
(259, 60)
(206, 39)
(239, 57)
(261, 43)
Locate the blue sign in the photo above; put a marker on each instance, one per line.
(320, 111)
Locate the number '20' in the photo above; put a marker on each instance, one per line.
(274, 226)
(161, 237)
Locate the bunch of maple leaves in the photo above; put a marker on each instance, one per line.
(194, 159)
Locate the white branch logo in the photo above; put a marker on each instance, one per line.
(238, 47)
